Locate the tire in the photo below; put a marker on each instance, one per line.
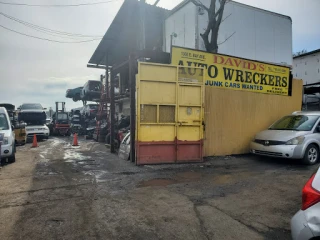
(12, 158)
(311, 155)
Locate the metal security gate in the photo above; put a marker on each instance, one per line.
(170, 114)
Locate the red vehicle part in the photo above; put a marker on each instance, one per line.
(62, 129)
(310, 196)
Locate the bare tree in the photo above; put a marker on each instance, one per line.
(214, 20)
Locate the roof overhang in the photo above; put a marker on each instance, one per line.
(124, 33)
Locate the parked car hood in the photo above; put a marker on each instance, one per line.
(279, 135)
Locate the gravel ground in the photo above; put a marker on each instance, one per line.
(57, 191)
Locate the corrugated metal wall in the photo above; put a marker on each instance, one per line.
(234, 117)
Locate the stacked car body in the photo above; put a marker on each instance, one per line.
(91, 91)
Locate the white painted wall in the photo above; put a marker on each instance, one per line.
(183, 23)
(307, 68)
(258, 34)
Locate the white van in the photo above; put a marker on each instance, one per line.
(7, 137)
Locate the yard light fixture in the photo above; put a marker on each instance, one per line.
(173, 35)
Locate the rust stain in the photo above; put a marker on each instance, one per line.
(160, 152)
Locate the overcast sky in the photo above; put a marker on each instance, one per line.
(33, 70)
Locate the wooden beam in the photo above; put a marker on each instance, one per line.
(96, 66)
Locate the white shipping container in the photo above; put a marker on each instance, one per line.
(255, 33)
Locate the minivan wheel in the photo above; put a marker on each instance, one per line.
(311, 155)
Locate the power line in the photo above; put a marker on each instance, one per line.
(57, 5)
(46, 39)
(46, 30)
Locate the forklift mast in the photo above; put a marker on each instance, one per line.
(63, 107)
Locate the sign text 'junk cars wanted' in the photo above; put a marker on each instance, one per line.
(234, 73)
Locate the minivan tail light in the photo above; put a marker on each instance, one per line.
(310, 196)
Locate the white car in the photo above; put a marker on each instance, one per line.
(124, 149)
(7, 138)
(34, 115)
(41, 131)
(305, 225)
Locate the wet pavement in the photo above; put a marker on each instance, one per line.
(58, 191)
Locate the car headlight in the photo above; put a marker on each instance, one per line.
(5, 140)
(296, 140)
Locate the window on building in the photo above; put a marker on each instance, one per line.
(305, 63)
(318, 60)
(305, 72)
(297, 74)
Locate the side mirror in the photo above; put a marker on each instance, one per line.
(44, 108)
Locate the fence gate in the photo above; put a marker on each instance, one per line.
(170, 114)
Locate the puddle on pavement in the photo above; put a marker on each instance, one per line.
(222, 179)
(183, 177)
(187, 177)
(97, 174)
(73, 156)
(158, 182)
(190, 175)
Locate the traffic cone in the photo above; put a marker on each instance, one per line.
(75, 140)
(34, 143)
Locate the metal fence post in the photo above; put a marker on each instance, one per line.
(112, 113)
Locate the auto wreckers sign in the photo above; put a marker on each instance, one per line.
(229, 72)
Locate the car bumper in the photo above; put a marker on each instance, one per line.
(6, 151)
(40, 134)
(299, 227)
(280, 151)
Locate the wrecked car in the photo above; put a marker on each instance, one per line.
(91, 91)
(74, 93)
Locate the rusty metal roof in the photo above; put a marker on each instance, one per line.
(123, 35)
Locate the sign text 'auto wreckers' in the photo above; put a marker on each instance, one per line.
(234, 73)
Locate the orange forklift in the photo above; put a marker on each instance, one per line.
(60, 124)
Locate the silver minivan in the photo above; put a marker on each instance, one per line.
(295, 136)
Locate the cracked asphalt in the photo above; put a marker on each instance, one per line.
(57, 191)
